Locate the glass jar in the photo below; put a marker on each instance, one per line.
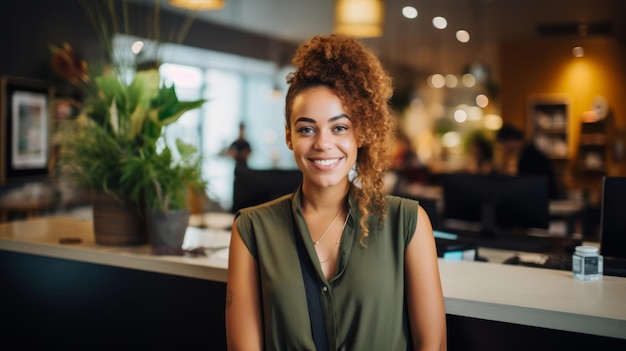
(587, 263)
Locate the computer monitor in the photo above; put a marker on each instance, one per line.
(497, 202)
(612, 221)
(256, 186)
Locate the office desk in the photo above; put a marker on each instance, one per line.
(567, 210)
(509, 296)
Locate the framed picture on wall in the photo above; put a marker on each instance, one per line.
(25, 125)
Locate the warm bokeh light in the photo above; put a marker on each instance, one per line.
(437, 81)
(409, 12)
(492, 122)
(451, 81)
(469, 80)
(482, 100)
(578, 51)
(137, 46)
(359, 18)
(474, 113)
(198, 5)
(460, 116)
(463, 36)
(440, 22)
(450, 139)
(581, 76)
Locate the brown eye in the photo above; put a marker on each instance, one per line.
(305, 130)
(340, 128)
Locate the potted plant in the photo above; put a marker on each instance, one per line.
(161, 182)
(116, 148)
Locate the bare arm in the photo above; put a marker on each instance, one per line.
(423, 289)
(244, 328)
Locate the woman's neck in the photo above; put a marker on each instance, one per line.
(316, 199)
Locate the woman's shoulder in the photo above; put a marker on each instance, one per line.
(402, 207)
(255, 224)
(394, 202)
(402, 214)
(267, 209)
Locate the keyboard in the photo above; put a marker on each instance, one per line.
(555, 261)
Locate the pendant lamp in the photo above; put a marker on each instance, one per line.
(198, 5)
(359, 18)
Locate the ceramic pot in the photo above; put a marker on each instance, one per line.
(166, 231)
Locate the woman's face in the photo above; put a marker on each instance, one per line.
(322, 137)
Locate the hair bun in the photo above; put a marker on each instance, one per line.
(333, 59)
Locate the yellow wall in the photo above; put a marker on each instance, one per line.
(533, 68)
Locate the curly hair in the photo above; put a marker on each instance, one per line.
(364, 87)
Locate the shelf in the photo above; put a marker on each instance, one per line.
(593, 139)
(558, 158)
(592, 155)
(592, 172)
(550, 131)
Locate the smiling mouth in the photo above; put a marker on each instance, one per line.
(328, 162)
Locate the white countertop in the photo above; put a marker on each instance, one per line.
(514, 294)
(535, 297)
(41, 236)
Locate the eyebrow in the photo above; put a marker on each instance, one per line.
(311, 120)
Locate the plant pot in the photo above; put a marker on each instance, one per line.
(117, 223)
(167, 231)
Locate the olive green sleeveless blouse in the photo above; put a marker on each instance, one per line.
(364, 303)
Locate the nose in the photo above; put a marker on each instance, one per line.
(323, 140)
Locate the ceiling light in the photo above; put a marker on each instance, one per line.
(359, 18)
(578, 51)
(451, 81)
(469, 80)
(460, 116)
(482, 100)
(409, 12)
(198, 5)
(462, 36)
(437, 80)
(440, 22)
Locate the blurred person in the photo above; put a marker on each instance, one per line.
(481, 156)
(240, 149)
(524, 158)
(337, 264)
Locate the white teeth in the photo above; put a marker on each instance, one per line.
(326, 162)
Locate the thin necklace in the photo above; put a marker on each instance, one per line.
(327, 228)
(338, 239)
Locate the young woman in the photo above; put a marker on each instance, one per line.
(371, 259)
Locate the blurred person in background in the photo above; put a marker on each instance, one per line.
(524, 158)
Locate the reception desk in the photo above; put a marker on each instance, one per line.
(488, 305)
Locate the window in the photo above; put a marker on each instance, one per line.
(237, 89)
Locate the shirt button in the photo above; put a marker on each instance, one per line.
(325, 289)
